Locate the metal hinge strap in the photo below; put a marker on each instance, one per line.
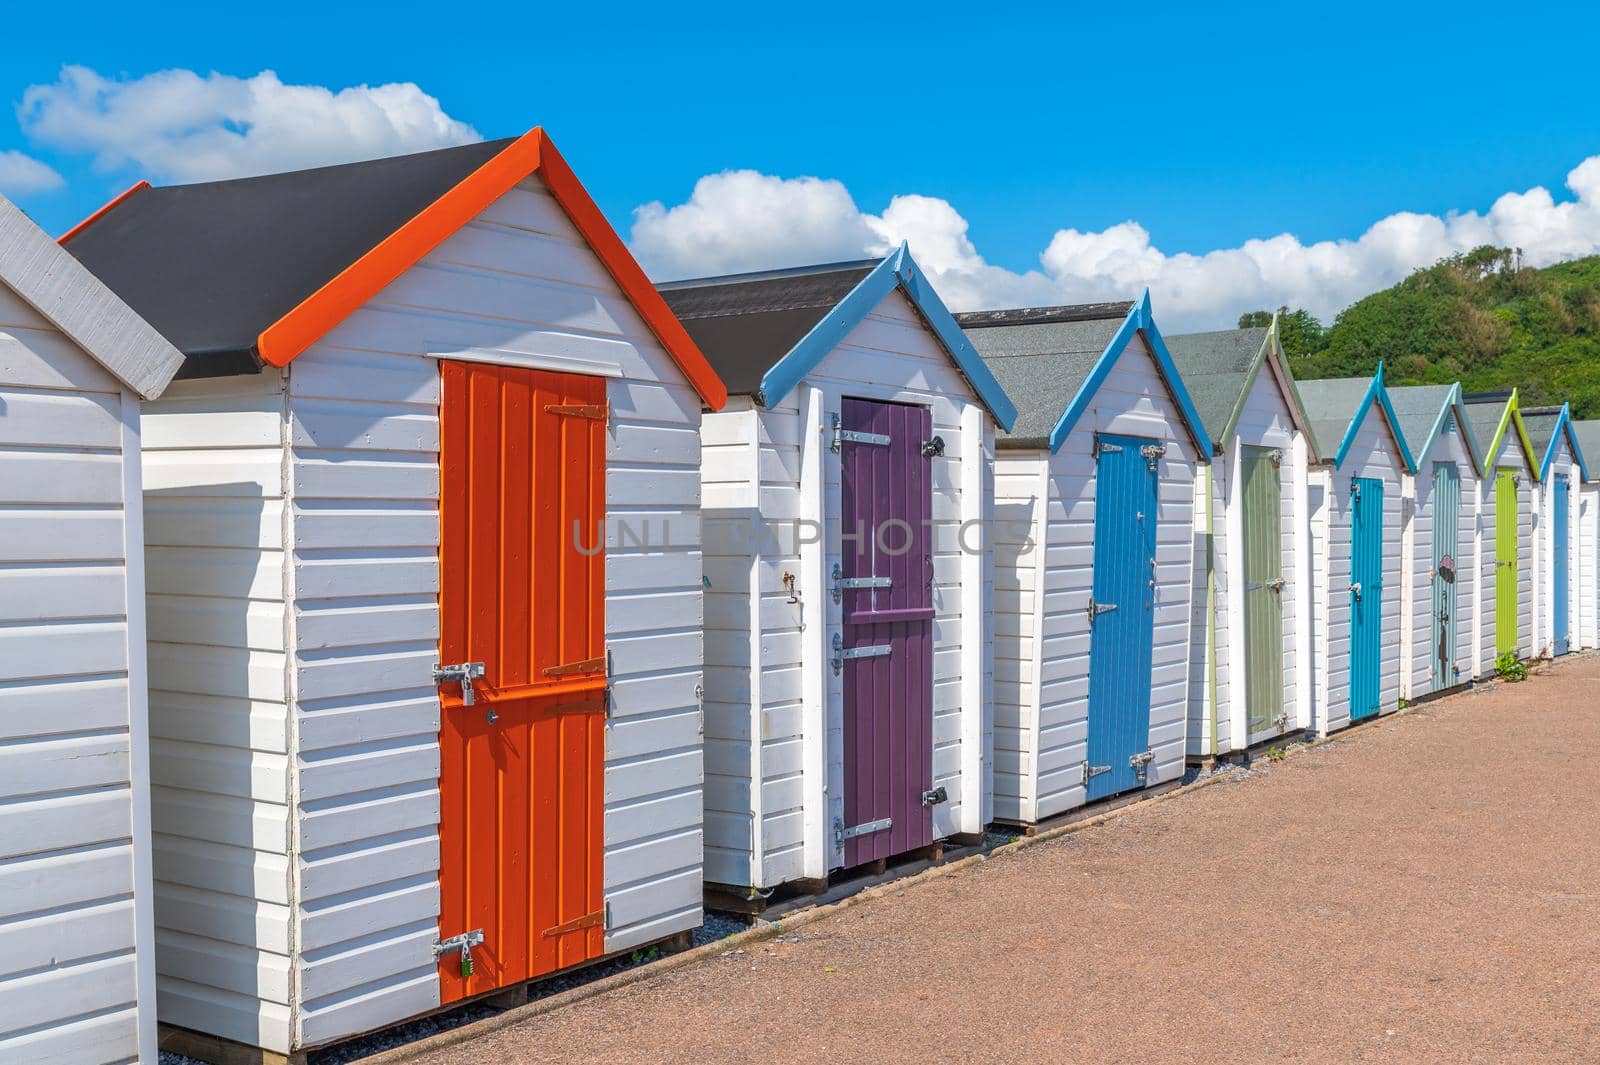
(867, 828)
(842, 436)
(588, 665)
(1102, 447)
(596, 919)
(596, 411)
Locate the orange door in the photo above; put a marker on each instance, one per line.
(522, 467)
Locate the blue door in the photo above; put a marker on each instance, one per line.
(1558, 568)
(1366, 597)
(1121, 614)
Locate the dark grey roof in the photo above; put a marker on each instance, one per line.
(1041, 357)
(1541, 425)
(1216, 370)
(1416, 408)
(212, 265)
(1588, 434)
(1331, 404)
(1484, 411)
(745, 323)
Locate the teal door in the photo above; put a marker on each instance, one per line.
(1446, 544)
(1366, 597)
(1121, 615)
(1558, 568)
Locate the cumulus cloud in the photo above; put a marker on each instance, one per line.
(23, 175)
(744, 220)
(179, 125)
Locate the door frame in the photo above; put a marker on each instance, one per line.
(1239, 698)
(1444, 678)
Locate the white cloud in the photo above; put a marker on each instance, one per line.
(744, 220)
(179, 125)
(23, 175)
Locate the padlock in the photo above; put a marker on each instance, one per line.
(466, 962)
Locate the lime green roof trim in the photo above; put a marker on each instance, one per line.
(1512, 415)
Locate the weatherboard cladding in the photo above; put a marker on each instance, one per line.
(1588, 436)
(212, 265)
(1486, 411)
(294, 615)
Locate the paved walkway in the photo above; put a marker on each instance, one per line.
(1422, 889)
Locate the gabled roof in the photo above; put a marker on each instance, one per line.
(1491, 414)
(1424, 411)
(1546, 425)
(256, 270)
(82, 307)
(1587, 434)
(1220, 369)
(764, 332)
(1338, 405)
(1054, 359)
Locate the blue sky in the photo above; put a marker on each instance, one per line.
(1206, 128)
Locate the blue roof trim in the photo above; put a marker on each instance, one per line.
(1454, 406)
(1375, 391)
(1563, 424)
(897, 270)
(1139, 320)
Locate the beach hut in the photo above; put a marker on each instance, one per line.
(422, 730)
(849, 640)
(1250, 674)
(1588, 558)
(1562, 472)
(1508, 521)
(1094, 502)
(1441, 505)
(77, 973)
(1356, 516)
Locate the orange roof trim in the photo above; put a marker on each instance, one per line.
(115, 201)
(531, 153)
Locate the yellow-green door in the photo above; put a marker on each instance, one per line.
(1507, 566)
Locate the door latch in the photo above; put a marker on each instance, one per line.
(1150, 453)
(935, 796)
(462, 945)
(1355, 589)
(463, 674)
(1141, 764)
(933, 447)
(1277, 583)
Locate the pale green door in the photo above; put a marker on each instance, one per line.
(1263, 590)
(1507, 568)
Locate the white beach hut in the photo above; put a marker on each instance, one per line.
(1250, 674)
(1355, 506)
(1442, 503)
(849, 639)
(1094, 559)
(1562, 473)
(1588, 562)
(77, 958)
(1509, 459)
(421, 734)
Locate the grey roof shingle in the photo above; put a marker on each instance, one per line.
(1215, 368)
(1541, 425)
(1484, 411)
(1041, 357)
(1588, 434)
(1331, 403)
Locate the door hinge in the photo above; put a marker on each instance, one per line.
(1102, 446)
(597, 919)
(935, 796)
(933, 447)
(841, 583)
(866, 828)
(1151, 453)
(842, 436)
(841, 653)
(462, 945)
(595, 411)
(1092, 771)
(1095, 609)
(463, 674)
(566, 669)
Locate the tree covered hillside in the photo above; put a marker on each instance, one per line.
(1481, 318)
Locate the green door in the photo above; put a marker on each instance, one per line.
(1263, 591)
(1506, 566)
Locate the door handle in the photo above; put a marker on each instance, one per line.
(463, 674)
(1355, 589)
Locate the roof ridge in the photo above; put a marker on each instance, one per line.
(1068, 312)
(767, 275)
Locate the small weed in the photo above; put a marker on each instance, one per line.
(638, 957)
(1510, 668)
(1276, 754)
(1403, 704)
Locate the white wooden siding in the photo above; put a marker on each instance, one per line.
(1588, 566)
(1021, 484)
(1564, 465)
(1134, 400)
(1372, 454)
(757, 659)
(75, 935)
(214, 497)
(1417, 665)
(1209, 728)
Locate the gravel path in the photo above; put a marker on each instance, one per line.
(1422, 889)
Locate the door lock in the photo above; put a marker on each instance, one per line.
(463, 674)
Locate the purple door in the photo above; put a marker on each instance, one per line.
(886, 653)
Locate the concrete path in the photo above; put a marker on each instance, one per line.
(1422, 889)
